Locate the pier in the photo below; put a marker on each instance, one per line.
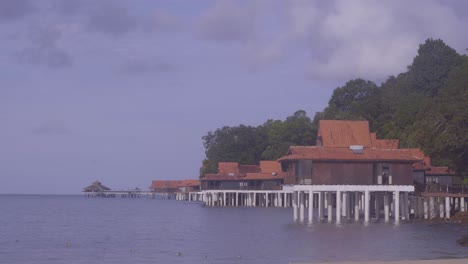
(119, 194)
(248, 198)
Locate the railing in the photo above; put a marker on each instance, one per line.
(442, 188)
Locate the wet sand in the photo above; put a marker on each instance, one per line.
(432, 261)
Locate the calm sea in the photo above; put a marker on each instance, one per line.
(73, 229)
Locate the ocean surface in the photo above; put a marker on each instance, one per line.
(74, 229)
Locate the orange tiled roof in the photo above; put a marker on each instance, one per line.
(343, 133)
(345, 154)
(243, 169)
(247, 177)
(439, 171)
(170, 184)
(384, 143)
(270, 166)
(228, 167)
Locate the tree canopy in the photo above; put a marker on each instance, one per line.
(425, 107)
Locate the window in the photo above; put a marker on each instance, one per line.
(432, 179)
(243, 184)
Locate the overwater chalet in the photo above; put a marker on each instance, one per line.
(349, 169)
(175, 189)
(233, 176)
(347, 153)
(424, 173)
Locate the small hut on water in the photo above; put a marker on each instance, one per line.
(95, 189)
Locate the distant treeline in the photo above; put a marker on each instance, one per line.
(425, 107)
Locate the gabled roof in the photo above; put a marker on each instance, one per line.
(228, 167)
(345, 154)
(266, 170)
(171, 184)
(270, 166)
(384, 143)
(243, 169)
(343, 133)
(440, 171)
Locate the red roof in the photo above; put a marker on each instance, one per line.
(440, 171)
(266, 170)
(228, 167)
(270, 166)
(243, 169)
(170, 184)
(384, 143)
(343, 133)
(345, 154)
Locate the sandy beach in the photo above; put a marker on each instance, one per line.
(433, 261)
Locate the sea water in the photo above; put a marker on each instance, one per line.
(74, 229)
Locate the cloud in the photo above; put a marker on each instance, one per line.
(162, 21)
(51, 128)
(110, 19)
(15, 9)
(134, 66)
(44, 50)
(337, 39)
(227, 21)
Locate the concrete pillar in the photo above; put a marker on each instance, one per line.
(407, 208)
(329, 203)
(294, 202)
(431, 208)
(338, 207)
(356, 206)
(376, 206)
(301, 206)
(224, 199)
(366, 206)
(462, 204)
(447, 207)
(345, 203)
(267, 202)
(386, 209)
(320, 205)
(254, 199)
(441, 207)
(311, 206)
(397, 206)
(426, 209)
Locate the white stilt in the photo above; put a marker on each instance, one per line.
(397, 206)
(344, 203)
(267, 202)
(320, 205)
(311, 206)
(366, 206)
(356, 206)
(330, 209)
(431, 208)
(447, 207)
(301, 206)
(338, 207)
(386, 208)
(294, 202)
(462, 204)
(426, 209)
(441, 207)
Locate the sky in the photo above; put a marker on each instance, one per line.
(122, 91)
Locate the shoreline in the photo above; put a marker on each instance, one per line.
(428, 261)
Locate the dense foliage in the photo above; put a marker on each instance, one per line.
(249, 145)
(425, 107)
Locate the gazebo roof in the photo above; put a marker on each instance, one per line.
(96, 187)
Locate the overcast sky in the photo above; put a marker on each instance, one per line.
(123, 91)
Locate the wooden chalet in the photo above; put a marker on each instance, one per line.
(233, 176)
(175, 186)
(348, 154)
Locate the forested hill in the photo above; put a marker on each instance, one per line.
(425, 107)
